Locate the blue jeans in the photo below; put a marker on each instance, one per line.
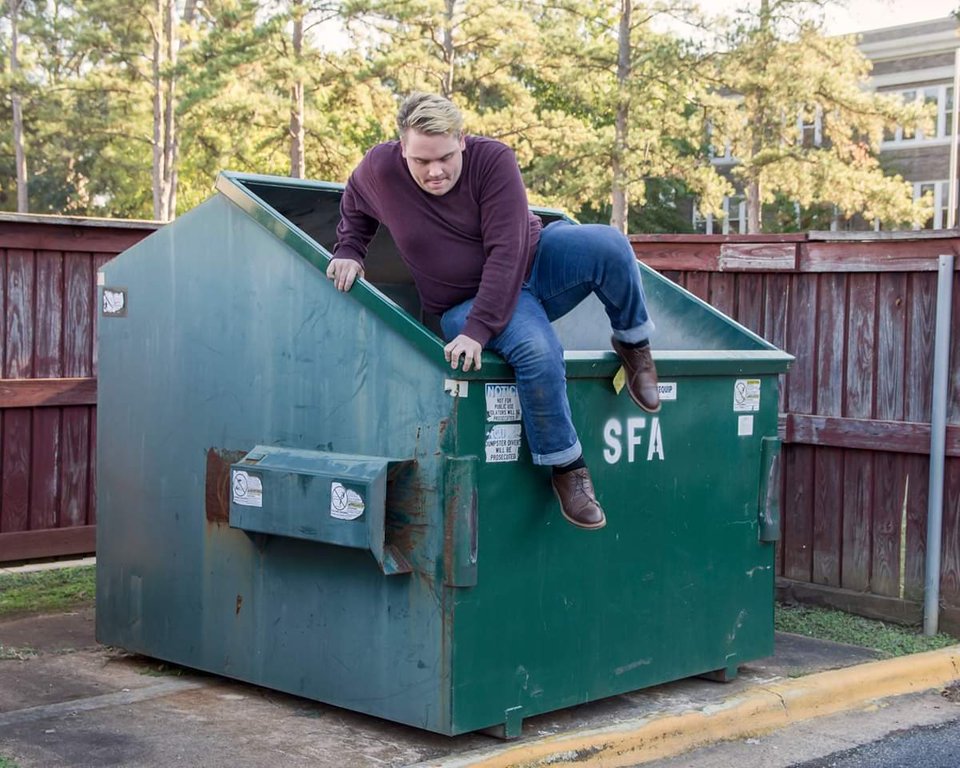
(571, 261)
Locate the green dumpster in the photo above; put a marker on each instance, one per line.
(295, 490)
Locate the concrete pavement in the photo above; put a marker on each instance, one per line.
(65, 701)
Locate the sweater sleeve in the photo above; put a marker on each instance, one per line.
(357, 223)
(505, 229)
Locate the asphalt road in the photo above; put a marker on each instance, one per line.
(913, 731)
(934, 746)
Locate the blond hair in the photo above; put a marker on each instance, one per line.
(429, 113)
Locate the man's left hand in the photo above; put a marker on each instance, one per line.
(463, 345)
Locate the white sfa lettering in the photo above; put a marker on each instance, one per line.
(615, 434)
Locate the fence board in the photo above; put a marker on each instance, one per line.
(922, 292)
(830, 343)
(888, 504)
(916, 474)
(891, 342)
(92, 474)
(723, 292)
(18, 361)
(48, 324)
(698, 283)
(857, 520)
(78, 312)
(801, 321)
(75, 466)
(750, 295)
(950, 550)
(861, 332)
(798, 517)
(827, 514)
(15, 457)
(775, 310)
(45, 469)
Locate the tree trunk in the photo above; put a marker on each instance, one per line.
(754, 221)
(619, 198)
(163, 81)
(20, 155)
(298, 164)
(449, 53)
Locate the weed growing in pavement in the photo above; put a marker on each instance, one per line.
(828, 624)
(6, 762)
(60, 589)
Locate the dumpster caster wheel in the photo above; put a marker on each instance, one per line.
(511, 726)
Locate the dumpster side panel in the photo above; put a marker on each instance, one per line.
(229, 340)
(677, 583)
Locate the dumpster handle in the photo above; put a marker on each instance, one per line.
(769, 496)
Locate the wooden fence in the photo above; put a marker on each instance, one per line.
(48, 386)
(855, 407)
(859, 316)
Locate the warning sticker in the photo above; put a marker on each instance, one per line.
(345, 504)
(746, 395)
(503, 402)
(247, 489)
(745, 425)
(503, 443)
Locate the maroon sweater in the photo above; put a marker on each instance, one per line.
(477, 240)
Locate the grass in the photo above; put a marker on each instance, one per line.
(827, 624)
(6, 762)
(62, 589)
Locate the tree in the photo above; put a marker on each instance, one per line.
(635, 93)
(14, 8)
(799, 123)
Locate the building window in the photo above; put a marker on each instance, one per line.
(940, 99)
(810, 127)
(939, 191)
(734, 215)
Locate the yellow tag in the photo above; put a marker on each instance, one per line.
(619, 380)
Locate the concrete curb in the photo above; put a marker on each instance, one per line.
(755, 711)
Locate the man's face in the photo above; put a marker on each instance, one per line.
(435, 160)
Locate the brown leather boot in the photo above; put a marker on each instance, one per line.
(578, 502)
(641, 375)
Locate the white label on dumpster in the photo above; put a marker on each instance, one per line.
(746, 395)
(503, 402)
(503, 443)
(345, 504)
(667, 390)
(745, 425)
(247, 489)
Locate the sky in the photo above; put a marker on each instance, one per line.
(861, 15)
(855, 16)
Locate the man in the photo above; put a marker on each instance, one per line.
(457, 210)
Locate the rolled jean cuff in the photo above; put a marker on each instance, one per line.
(559, 458)
(635, 335)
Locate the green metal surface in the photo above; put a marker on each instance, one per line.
(237, 354)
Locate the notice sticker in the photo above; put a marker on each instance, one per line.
(114, 302)
(746, 395)
(667, 390)
(744, 426)
(247, 489)
(345, 504)
(503, 402)
(503, 443)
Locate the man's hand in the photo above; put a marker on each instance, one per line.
(463, 345)
(343, 272)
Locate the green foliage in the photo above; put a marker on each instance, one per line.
(779, 73)
(6, 762)
(593, 106)
(826, 624)
(59, 589)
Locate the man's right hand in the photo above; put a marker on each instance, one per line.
(343, 272)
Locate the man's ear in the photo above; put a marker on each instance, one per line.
(463, 141)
